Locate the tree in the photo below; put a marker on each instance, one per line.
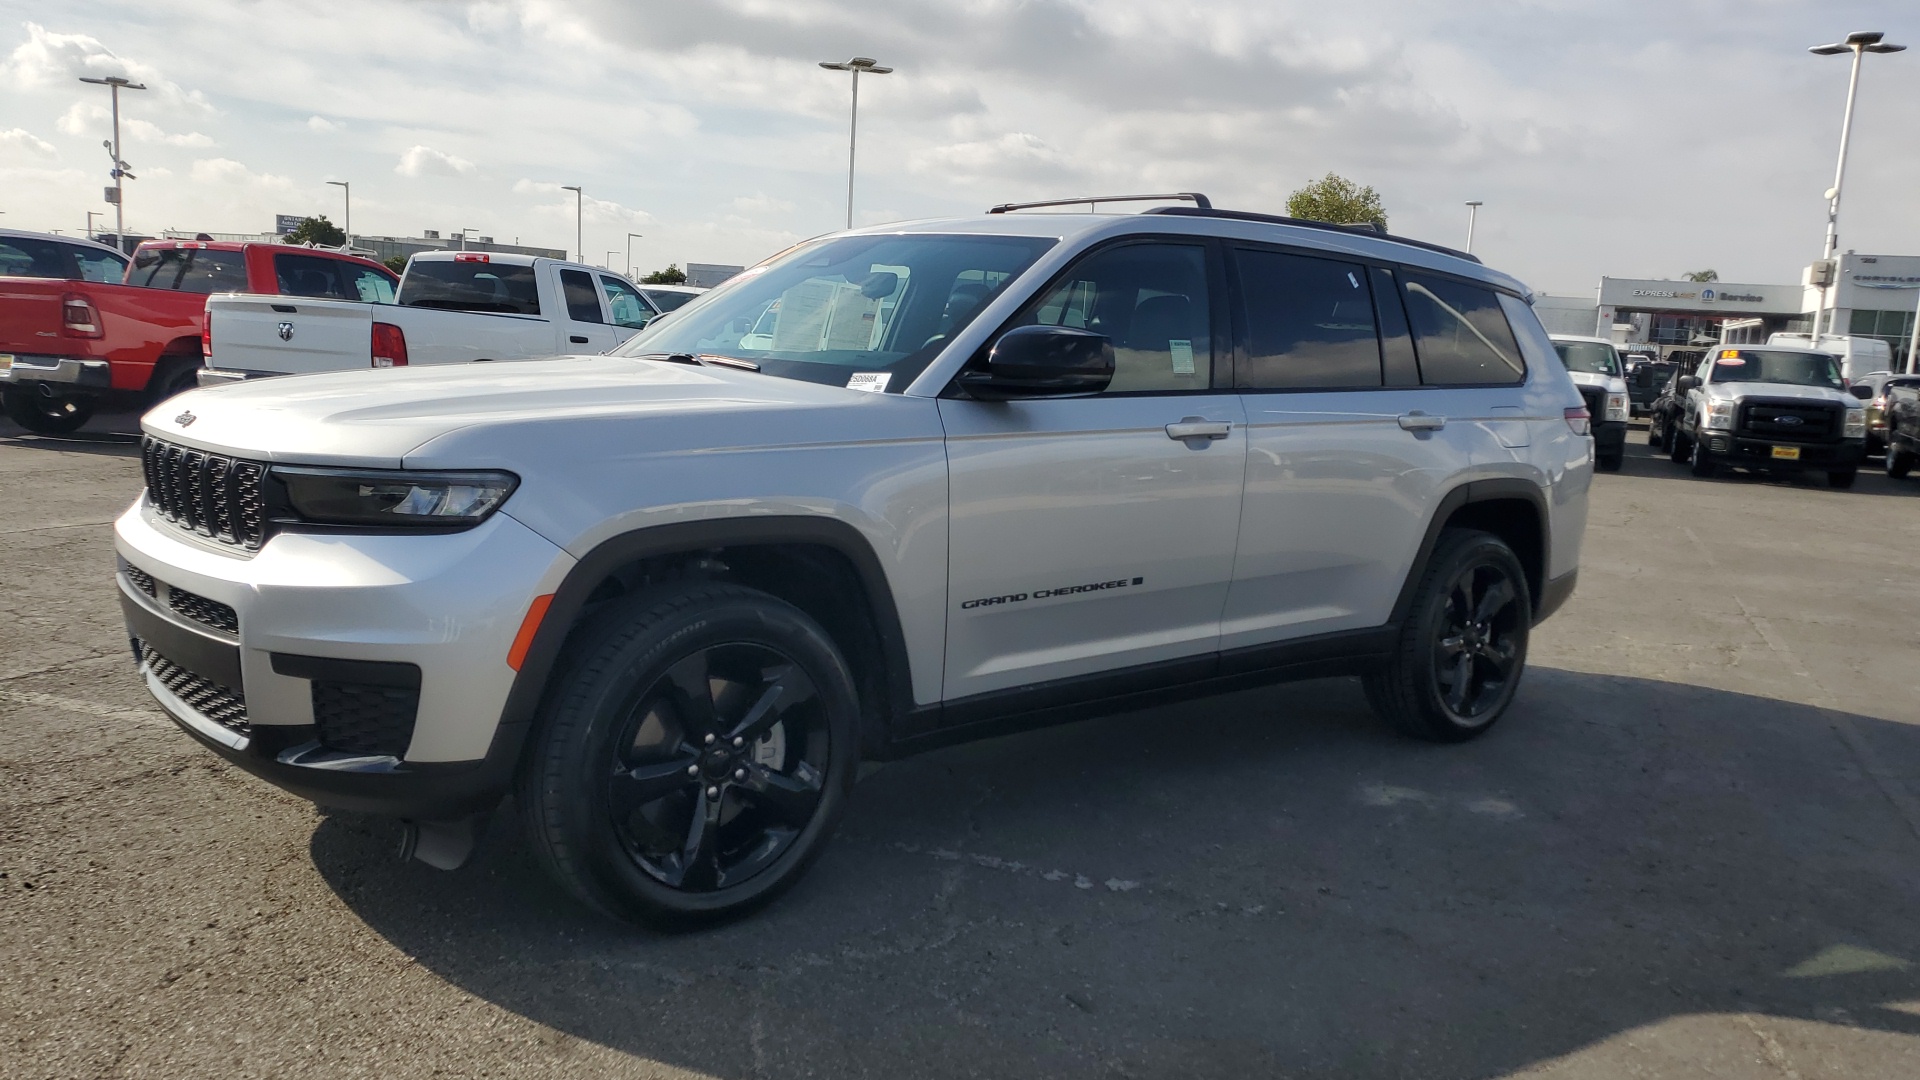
(672, 275)
(319, 230)
(396, 263)
(1702, 275)
(1338, 200)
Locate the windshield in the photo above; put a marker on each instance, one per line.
(1592, 357)
(1767, 365)
(470, 285)
(856, 304)
(667, 301)
(189, 270)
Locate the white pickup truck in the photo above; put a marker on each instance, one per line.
(452, 307)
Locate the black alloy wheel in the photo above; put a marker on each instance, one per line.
(1463, 647)
(44, 415)
(693, 758)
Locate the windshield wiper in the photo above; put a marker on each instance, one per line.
(727, 361)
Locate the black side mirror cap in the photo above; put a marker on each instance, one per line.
(1687, 382)
(1042, 361)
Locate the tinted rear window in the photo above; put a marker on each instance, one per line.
(470, 286)
(26, 256)
(1309, 322)
(1461, 334)
(192, 270)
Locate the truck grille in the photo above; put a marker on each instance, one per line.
(222, 705)
(211, 494)
(1794, 421)
(1596, 400)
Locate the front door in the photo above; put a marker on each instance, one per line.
(1095, 534)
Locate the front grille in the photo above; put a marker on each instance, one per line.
(1793, 421)
(1596, 400)
(360, 718)
(141, 579)
(223, 706)
(200, 609)
(211, 494)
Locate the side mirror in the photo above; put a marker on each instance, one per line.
(1864, 393)
(1688, 382)
(1042, 361)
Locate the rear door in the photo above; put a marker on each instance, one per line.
(1094, 534)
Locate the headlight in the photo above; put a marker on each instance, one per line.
(1616, 406)
(1720, 416)
(395, 497)
(1856, 424)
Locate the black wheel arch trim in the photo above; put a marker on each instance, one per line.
(1497, 489)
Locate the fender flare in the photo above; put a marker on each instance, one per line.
(1477, 491)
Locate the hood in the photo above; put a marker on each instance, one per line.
(376, 417)
(1731, 390)
(1612, 384)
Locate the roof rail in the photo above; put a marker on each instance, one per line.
(1367, 228)
(1198, 200)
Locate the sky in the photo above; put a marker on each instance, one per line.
(1626, 137)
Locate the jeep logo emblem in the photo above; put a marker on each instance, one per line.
(286, 331)
(185, 419)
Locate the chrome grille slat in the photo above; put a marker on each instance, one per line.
(211, 494)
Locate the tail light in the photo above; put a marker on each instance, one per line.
(206, 337)
(78, 317)
(1580, 420)
(389, 346)
(471, 256)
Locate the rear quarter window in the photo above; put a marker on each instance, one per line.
(190, 270)
(1461, 333)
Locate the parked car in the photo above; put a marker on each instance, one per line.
(1767, 408)
(1646, 377)
(1859, 356)
(666, 298)
(69, 344)
(1872, 389)
(60, 258)
(987, 472)
(1596, 372)
(1902, 410)
(453, 307)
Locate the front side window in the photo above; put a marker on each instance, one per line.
(470, 285)
(1151, 300)
(189, 270)
(629, 309)
(1460, 333)
(583, 304)
(881, 307)
(1773, 366)
(1588, 357)
(1310, 322)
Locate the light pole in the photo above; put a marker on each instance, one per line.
(856, 65)
(579, 215)
(609, 263)
(1859, 43)
(91, 214)
(463, 236)
(632, 271)
(114, 85)
(1473, 212)
(346, 192)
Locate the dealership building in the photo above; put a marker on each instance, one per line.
(1875, 296)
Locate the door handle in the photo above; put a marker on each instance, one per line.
(1419, 421)
(1199, 427)
(577, 339)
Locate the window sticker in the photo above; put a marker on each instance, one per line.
(1351, 280)
(1182, 356)
(873, 382)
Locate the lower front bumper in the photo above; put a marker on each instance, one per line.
(63, 376)
(1610, 437)
(1740, 452)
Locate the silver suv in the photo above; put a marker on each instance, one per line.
(890, 489)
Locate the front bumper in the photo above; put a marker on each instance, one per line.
(62, 376)
(295, 662)
(1609, 437)
(1742, 452)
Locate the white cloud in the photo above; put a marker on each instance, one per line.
(22, 141)
(323, 125)
(426, 161)
(49, 59)
(88, 118)
(762, 203)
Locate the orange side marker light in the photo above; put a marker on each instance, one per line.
(529, 626)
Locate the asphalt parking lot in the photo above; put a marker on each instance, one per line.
(1692, 849)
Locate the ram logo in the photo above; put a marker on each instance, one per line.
(286, 331)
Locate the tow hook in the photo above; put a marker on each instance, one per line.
(443, 845)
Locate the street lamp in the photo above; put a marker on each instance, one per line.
(346, 192)
(609, 262)
(1859, 43)
(91, 214)
(463, 236)
(1473, 212)
(579, 204)
(632, 271)
(114, 85)
(856, 65)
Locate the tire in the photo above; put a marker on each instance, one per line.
(1414, 690)
(1699, 463)
(1679, 449)
(1654, 438)
(175, 377)
(1843, 479)
(1899, 460)
(652, 689)
(1610, 462)
(47, 416)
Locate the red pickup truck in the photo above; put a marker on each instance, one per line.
(67, 345)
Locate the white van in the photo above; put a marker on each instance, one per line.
(1858, 355)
